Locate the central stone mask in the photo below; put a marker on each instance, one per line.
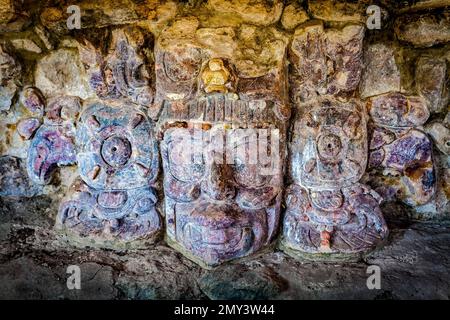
(221, 126)
(220, 205)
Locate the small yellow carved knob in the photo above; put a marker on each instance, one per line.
(215, 76)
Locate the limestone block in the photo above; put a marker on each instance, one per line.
(423, 30)
(432, 82)
(61, 73)
(341, 11)
(104, 13)
(293, 15)
(257, 12)
(381, 73)
(440, 135)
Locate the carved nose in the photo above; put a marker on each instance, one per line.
(218, 185)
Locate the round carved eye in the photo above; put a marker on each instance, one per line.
(183, 164)
(182, 65)
(116, 151)
(329, 146)
(249, 175)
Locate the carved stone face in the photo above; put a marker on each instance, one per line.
(117, 161)
(329, 214)
(218, 208)
(400, 163)
(125, 72)
(334, 141)
(117, 148)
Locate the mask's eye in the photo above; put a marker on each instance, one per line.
(183, 164)
(249, 175)
(182, 65)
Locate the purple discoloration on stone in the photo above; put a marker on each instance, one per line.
(329, 215)
(334, 145)
(27, 127)
(33, 100)
(112, 203)
(105, 216)
(407, 167)
(408, 148)
(51, 146)
(125, 71)
(406, 171)
(397, 110)
(325, 60)
(217, 212)
(117, 148)
(356, 225)
(63, 108)
(14, 180)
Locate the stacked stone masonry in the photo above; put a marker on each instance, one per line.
(99, 119)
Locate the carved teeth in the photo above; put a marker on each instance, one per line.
(93, 121)
(95, 172)
(137, 120)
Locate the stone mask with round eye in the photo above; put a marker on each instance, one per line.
(117, 149)
(182, 65)
(189, 171)
(218, 205)
(112, 203)
(335, 145)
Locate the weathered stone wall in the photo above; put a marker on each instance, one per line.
(135, 65)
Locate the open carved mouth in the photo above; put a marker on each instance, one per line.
(224, 240)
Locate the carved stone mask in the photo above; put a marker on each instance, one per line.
(220, 203)
(113, 203)
(217, 112)
(117, 148)
(335, 143)
(125, 72)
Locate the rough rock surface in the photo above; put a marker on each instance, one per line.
(293, 15)
(431, 82)
(6, 11)
(381, 73)
(33, 263)
(258, 12)
(209, 64)
(61, 73)
(341, 11)
(410, 6)
(423, 30)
